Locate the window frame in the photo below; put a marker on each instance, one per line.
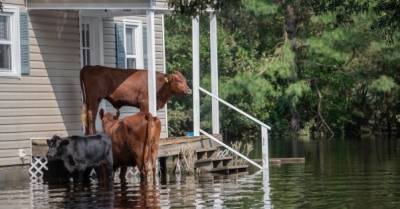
(13, 14)
(138, 43)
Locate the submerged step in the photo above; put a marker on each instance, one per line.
(230, 169)
(212, 160)
(287, 160)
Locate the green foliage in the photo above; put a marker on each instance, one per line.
(296, 91)
(332, 72)
(383, 84)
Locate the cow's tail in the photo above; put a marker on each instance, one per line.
(149, 141)
(84, 105)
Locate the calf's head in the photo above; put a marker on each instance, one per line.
(178, 83)
(107, 119)
(57, 147)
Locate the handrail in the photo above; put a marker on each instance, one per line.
(235, 108)
(231, 149)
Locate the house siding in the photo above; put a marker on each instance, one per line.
(20, 3)
(47, 101)
(161, 3)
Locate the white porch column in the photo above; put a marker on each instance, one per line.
(151, 57)
(214, 72)
(196, 74)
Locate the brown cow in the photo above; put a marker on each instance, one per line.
(124, 87)
(135, 141)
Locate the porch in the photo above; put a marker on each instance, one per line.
(90, 13)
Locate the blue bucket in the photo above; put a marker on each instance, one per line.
(189, 133)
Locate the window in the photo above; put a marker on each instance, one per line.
(9, 42)
(5, 46)
(85, 47)
(133, 45)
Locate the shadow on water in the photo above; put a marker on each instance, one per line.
(357, 174)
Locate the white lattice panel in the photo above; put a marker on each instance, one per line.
(38, 165)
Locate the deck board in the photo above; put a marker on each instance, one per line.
(168, 146)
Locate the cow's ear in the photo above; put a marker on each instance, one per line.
(48, 142)
(65, 142)
(55, 137)
(178, 73)
(169, 77)
(101, 113)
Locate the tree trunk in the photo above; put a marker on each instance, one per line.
(290, 33)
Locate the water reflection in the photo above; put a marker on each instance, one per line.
(142, 196)
(205, 191)
(337, 174)
(266, 189)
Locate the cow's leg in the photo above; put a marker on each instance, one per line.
(75, 177)
(117, 114)
(141, 165)
(93, 106)
(109, 172)
(143, 175)
(81, 175)
(122, 173)
(86, 175)
(144, 105)
(99, 172)
(84, 117)
(154, 169)
(154, 155)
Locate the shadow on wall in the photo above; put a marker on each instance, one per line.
(55, 65)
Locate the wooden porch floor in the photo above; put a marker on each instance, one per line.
(168, 146)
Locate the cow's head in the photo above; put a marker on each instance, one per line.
(107, 119)
(178, 83)
(57, 147)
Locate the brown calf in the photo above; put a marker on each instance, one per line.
(135, 141)
(124, 87)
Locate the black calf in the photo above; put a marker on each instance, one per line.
(81, 153)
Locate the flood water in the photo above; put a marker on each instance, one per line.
(337, 174)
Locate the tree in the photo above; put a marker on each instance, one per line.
(304, 66)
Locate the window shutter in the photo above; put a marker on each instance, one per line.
(24, 42)
(119, 42)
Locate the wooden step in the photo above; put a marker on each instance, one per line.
(213, 162)
(208, 149)
(230, 169)
(205, 153)
(213, 159)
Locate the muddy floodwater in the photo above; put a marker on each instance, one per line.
(358, 174)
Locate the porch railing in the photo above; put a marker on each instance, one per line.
(264, 134)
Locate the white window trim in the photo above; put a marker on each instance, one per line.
(96, 22)
(138, 43)
(15, 43)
